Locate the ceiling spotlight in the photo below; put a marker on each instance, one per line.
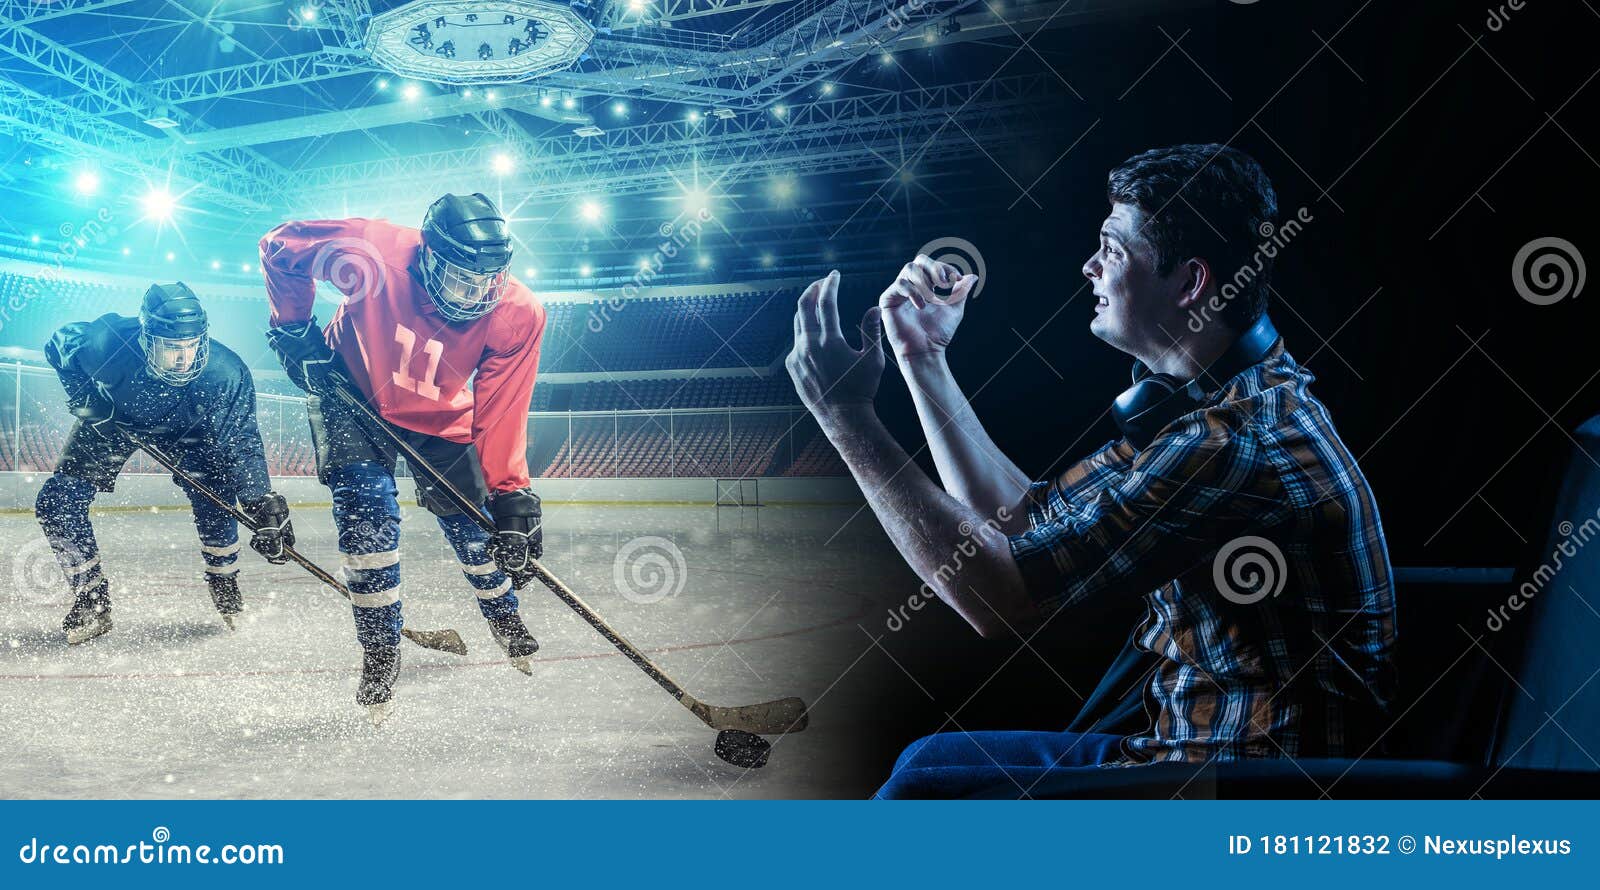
(308, 14)
(530, 272)
(545, 101)
(827, 89)
(171, 256)
(383, 83)
(126, 251)
(779, 110)
(411, 91)
(86, 183)
(702, 261)
(159, 204)
(244, 267)
(33, 239)
(694, 117)
(620, 109)
(569, 103)
(466, 93)
(766, 259)
(591, 211)
(585, 270)
(503, 164)
(490, 95)
(887, 58)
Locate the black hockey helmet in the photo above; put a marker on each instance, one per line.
(174, 333)
(466, 252)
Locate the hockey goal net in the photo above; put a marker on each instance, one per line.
(739, 492)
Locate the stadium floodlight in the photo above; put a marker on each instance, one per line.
(171, 256)
(591, 211)
(504, 164)
(694, 117)
(780, 110)
(569, 103)
(636, 6)
(86, 183)
(545, 100)
(308, 13)
(491, 95)
(126, 252)
(827, 89)
(244, 267)
(411, 91)
(466, 93)
(216, 264)
(703, 261)
(530, 272)
(766, 259)
(383, 83)
(34, 238)
(620, 109)
(585, 270)
(887, 58)
(159, 204)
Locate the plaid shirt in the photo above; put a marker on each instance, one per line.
(1239, 673)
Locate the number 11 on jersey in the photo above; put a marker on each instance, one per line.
(433, 349)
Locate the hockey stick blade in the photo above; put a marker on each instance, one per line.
(441, 640)
(767, 718)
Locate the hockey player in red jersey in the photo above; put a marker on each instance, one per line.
(444, 344)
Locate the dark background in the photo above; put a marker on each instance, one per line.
(1428, 147)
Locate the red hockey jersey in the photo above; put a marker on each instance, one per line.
(411, 363)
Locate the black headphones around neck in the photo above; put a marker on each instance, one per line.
(1155, 400)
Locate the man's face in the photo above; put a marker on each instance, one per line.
(175, 355)
(1133, 303)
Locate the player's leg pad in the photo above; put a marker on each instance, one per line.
(496, 599)
(367, 514)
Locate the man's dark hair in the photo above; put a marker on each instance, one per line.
(1189, 194)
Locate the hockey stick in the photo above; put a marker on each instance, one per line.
(442, 640)
(766, 718)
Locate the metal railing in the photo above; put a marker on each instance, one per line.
(660, 443)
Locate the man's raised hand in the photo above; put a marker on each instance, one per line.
(919, 320)
(827, 371)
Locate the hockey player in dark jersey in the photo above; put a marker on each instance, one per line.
(444, 343)
(161, 378)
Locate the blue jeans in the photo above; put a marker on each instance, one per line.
(958, 764)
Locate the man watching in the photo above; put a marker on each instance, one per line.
(1225, 455)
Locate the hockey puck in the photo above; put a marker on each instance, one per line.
(742, 748)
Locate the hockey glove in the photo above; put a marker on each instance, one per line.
(519, 534)
(273, 531)
(305, 355)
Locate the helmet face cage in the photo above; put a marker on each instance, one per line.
(460, 294)
(158, 351)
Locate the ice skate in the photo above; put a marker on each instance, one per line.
(90, 616)
(515, 641)
(380, 668)
(225, 595)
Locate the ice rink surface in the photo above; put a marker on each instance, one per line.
(739, 605)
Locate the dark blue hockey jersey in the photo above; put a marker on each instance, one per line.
(218, 408)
